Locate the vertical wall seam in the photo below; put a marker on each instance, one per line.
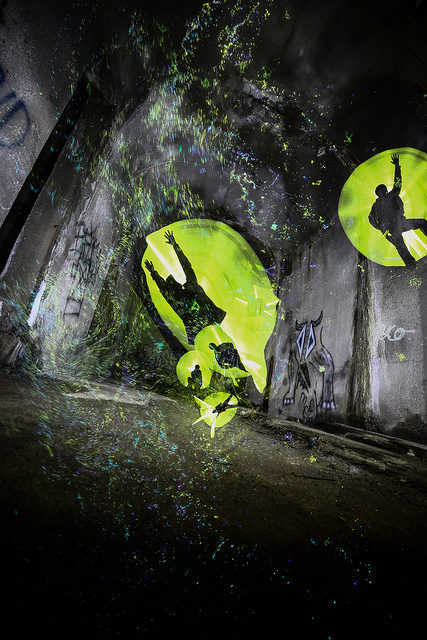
(359, 382)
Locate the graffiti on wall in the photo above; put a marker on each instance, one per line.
(14, 117)
(84, 267)
(393, 333)
(212, 292)
(310, 371)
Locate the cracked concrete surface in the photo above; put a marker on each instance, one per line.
(126, 519)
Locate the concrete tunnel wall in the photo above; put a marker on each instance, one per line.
(325, 278)
(372, 325)
(40, 65)
(323, 281)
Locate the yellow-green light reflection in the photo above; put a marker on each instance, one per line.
(234, 279)
(208, 406)
(358, 196)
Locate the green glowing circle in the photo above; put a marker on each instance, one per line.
(187, 363)
(207, 406)
(233, 277)
(358, 196)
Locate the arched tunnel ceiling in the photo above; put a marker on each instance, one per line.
(254, 112)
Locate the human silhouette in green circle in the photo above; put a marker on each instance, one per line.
(388, 216)
(223, 406)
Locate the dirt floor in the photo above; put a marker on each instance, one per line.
(122, 518)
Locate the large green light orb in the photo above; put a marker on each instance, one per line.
(358, 196)
(232, 276)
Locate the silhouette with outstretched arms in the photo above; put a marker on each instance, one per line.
(388, 215)
(189, 300)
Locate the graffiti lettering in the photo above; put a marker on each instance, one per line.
(388, 334)
(14, 118)
(84, 268)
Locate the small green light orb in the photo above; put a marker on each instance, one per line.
(208, 406)
(188, 362)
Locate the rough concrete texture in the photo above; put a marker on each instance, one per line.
(39, 71)
(123, 518)
(389, 354)
(322, 285)
(398, 363)
(264, 147)
(303, 515)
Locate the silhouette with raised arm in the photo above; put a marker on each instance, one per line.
(188, 300)
(388, 216)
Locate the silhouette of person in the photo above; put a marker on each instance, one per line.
(227, 355)
(195, 379)
(188, 300)
(223, 406)
(387, 215)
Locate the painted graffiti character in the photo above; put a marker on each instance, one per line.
(388, 216)
(310, 368)
(188, 300)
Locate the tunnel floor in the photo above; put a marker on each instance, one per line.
(122, 518)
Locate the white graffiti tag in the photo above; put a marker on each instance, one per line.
(394, 333)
